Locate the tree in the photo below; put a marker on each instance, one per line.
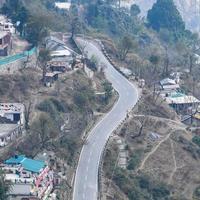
(28, 109)
(44, 57)
(154, 59)
(74, 20)
(37, 28)
(44, 127)
(125, 46)
(108, 90)
(5, 187)
(135, 10)
(164, 14)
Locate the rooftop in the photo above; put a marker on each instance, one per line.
(11, 107)
(52, 74)
(182, 99)
(63, 5)
(60, 53)
(21, 189)
(167, 81)
(28, 164)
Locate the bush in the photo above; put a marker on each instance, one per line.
(80, 100)
(160, 192)
(196, 140)
(59, 105)
(196, 193)
(135, 160)
(48, 107)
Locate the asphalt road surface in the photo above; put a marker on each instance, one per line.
(86, 179)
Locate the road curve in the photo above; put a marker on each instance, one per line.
(86, 179)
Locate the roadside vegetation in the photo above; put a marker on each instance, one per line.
(58, 118)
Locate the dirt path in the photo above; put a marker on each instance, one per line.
(154, 150)
(175, 165)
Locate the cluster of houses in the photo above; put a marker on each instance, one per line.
(187, 106)
(6, 31)
(11, 122)
(30, 179)
(62, 59)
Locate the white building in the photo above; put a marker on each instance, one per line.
(63, 5)
(13, 111)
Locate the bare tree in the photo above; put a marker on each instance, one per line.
(27, 113)
(44, 57)
(126, 44)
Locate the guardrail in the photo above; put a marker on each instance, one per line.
(16, 57)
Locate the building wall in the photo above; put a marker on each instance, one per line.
(10, 137)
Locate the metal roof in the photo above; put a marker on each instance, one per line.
(28, 164)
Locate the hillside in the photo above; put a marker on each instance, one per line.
(162, 161)
(189, 10)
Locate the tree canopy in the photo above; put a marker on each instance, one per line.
(164, 14)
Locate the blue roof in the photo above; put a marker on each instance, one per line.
(27, 163)
(33, 165)
(177, 94)
(15, 160)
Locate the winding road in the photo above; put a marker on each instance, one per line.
(86, 179)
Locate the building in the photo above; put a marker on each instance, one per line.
(59, 66)
(13, 111)
(6, 25)
(11, 122)
(9, 132)
(59, 50)
(63, 5)
(50, 78)
(5, 43)
(181, 102)
(9, 27)
(31, 179)
(168, 86)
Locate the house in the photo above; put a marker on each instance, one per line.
(50, 78)
(9, 27)
(5, 43)
(31, 179)
(59, 50)
(59, 66)
(63, 5)
(168, 86)
(13, 111)
(11, 122)
(78, 64)
(181, 102)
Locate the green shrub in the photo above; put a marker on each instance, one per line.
(135, 160)
(196, 140)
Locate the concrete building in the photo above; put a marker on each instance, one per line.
(59, 66)
(5, 43)
(13, 111)
(11, 122)
(181, 102)
(31, 179)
